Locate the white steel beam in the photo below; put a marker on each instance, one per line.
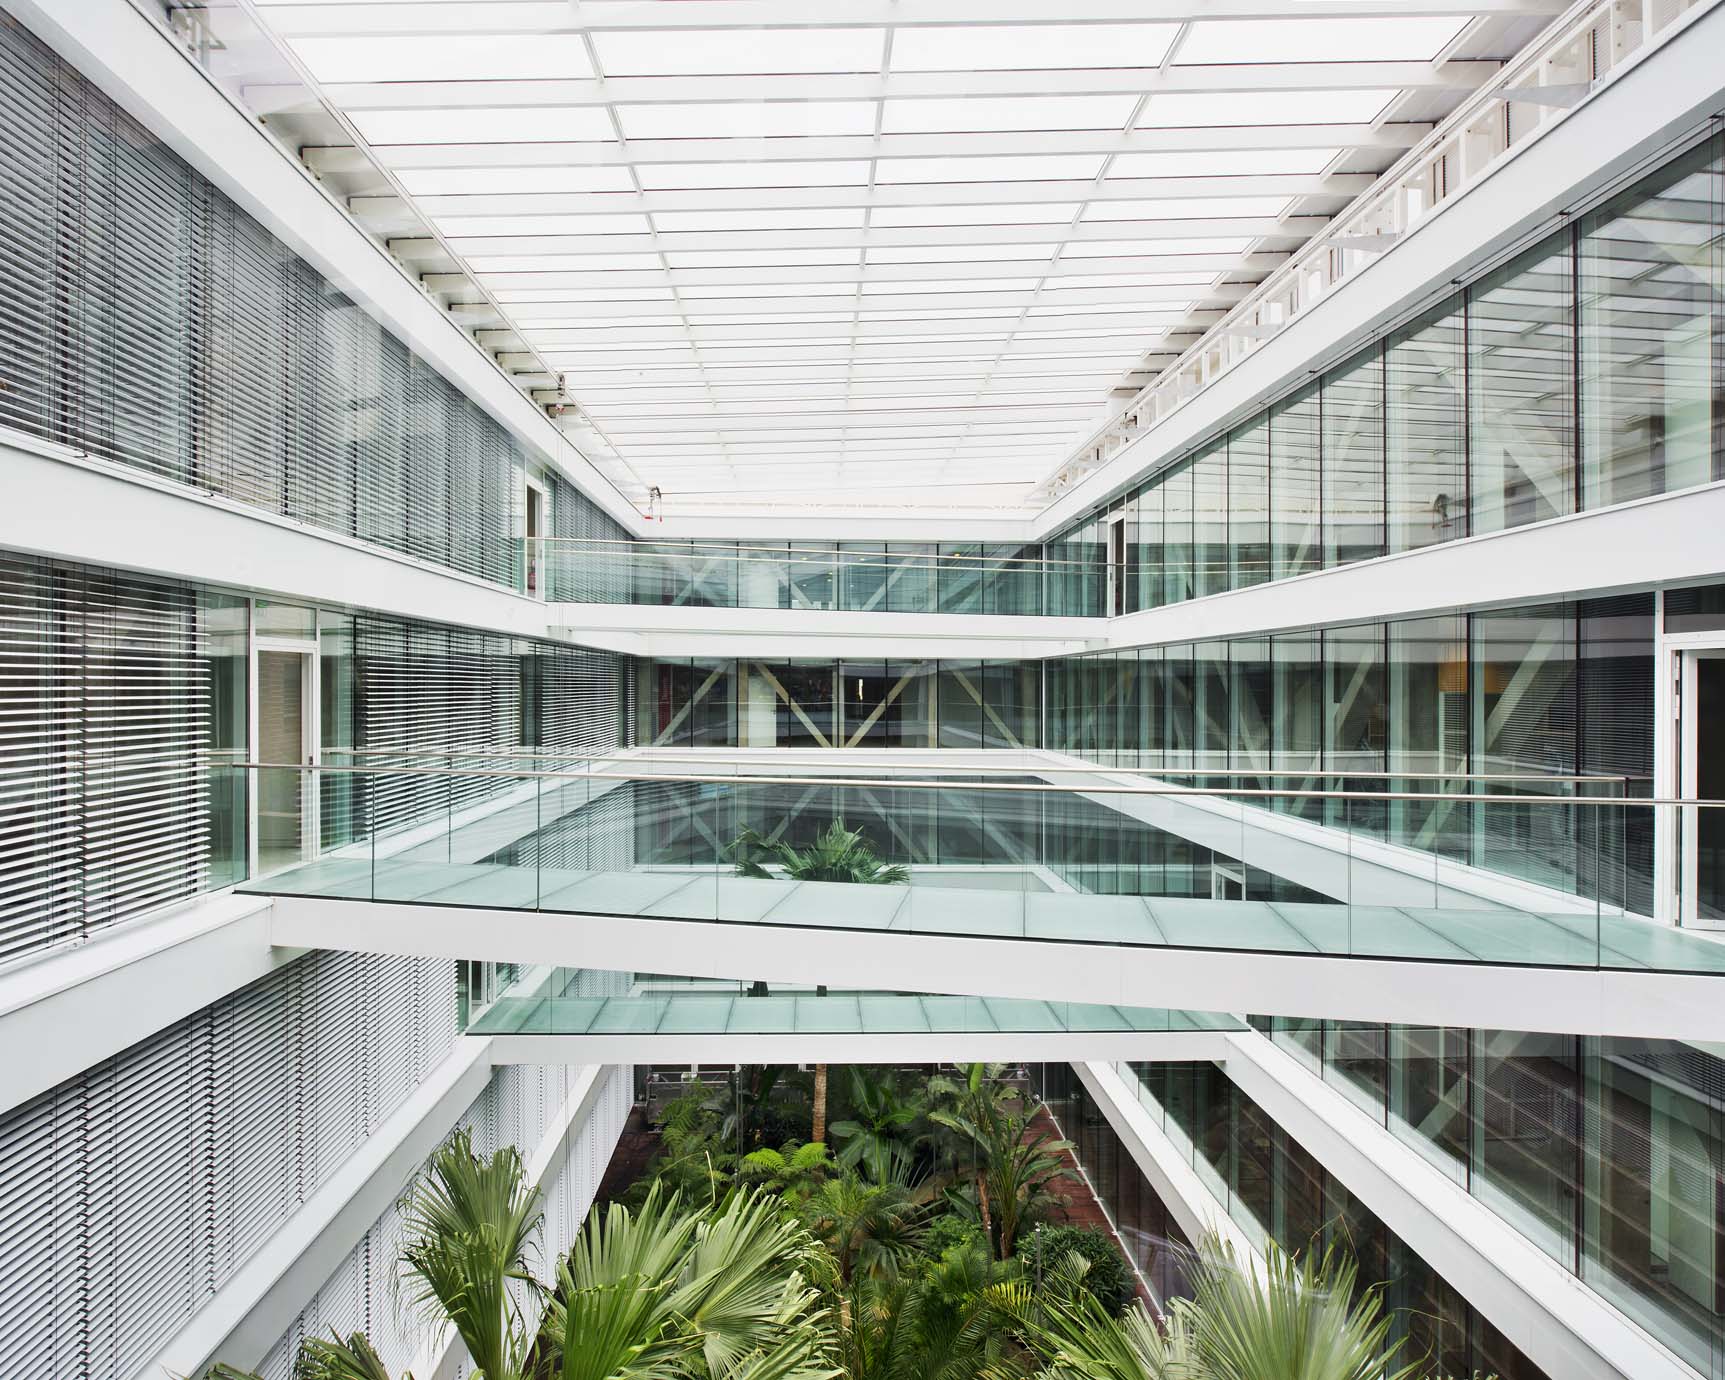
(850, 148)
(1628, 1002)
(566, 93)
(882, 194)
(354, 17)
(475, 247)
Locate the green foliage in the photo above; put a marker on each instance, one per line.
(880, 1136)
(872, 1230)
(668, 1294)
(838, 854)
(1297, 1320)
(469, 1223)
(1013, 1169)
(793, 1171)
(695, 1159)
(334, 1359)
(1108, 1277)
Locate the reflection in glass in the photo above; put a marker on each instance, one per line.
(1521, 344)
(1427, 463)
(1651, 281)
(1294, 546)
(1353, 461)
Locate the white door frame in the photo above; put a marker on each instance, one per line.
(1674, 765)
(311, 739)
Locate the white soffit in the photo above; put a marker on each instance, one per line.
(868, 252)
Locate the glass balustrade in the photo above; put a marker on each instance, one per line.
(985, 579)
(1470, 870)
(559, 1001)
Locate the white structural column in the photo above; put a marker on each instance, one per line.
(1563, 1326)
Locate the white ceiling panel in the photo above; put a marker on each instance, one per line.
(869, 253)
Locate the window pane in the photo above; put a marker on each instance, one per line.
(1520, 374)
(1427, 431)
(1428, 725)
(1210, 521)
(1177, 575)
(1294, 486)
(1249, 505)
(1526, 1117)
(1650, 290)
(1353, 470)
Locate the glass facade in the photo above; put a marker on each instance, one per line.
(1274, 1190)
(1607, 1153)
(826, 704)
(1406, 706)
(1588, 371)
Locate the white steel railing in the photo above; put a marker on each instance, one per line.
(1582, 50)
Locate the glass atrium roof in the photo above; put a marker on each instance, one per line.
(829, 252)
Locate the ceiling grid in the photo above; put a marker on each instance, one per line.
(895, 252)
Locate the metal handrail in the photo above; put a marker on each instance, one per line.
(981, 769)
(699, 551)
(1019, 788)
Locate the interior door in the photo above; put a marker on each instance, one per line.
(284, 719)
(1701, 759)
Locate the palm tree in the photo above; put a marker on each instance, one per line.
(664, 1292)
(1011, 1169)
(838, 854)
(877, 1135)
(871, 1229)
(1299, 1319)
(470, 1223)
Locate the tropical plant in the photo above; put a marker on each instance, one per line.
(872, 1230)
(838, 854)
(910, 1328)
(663, 1292)
(1296, 1319)
(879, 1136)
(1012, 1168)
(793, 1171)
(470, 1222)
(1107, 1275)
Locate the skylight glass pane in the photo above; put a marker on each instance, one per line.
(740, 173)
(739, 51)
(1408, 39)
(962, 48)
(1012, 213)
(581, 263)
(1092, 249)
(1223, 163)
(801, 218)
(488, 125)
(953, 286)
(974, 113)
(1186, 110)
(445, 57)
(1186, 208)
(721, 258)
(507, 181)
(747, 119)
(957, 253)
(630, 224)
(1057, 167)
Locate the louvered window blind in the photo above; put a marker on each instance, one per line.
(148, 320)
(105, 704)
(135, 1190)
